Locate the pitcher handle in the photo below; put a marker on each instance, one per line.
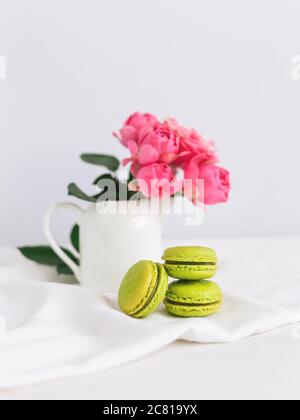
(54, 245)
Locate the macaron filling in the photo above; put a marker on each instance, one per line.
(172, 302)
(190, 263)
(149, 300)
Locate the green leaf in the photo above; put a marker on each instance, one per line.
(75, 237)
(109, 162)
(75, 191)
(65, 270)
(41, 254)
(44, 255)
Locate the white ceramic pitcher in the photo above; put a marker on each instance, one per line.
(110, 242)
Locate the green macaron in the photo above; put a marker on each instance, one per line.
(198, 298)
(190, 263)
(143, 289)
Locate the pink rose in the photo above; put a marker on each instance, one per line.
(159, 149)
(143, 154)
(196, 144)
(163, 138)
(152, 143)
(138, 120)
(193, 144)
(131, 127)
(216, 182)
(157, 180)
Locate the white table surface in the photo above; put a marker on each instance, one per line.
(260, 367)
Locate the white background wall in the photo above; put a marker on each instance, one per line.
(77, 68)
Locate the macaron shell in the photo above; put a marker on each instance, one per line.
(194, 292)
(190, 254)
(191, 272)
(159, 294)
(137, 287)
(194, 298)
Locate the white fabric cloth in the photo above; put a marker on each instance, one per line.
(51, 330)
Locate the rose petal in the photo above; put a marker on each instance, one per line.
(147, 155)
(133, 148)
(128, 133)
